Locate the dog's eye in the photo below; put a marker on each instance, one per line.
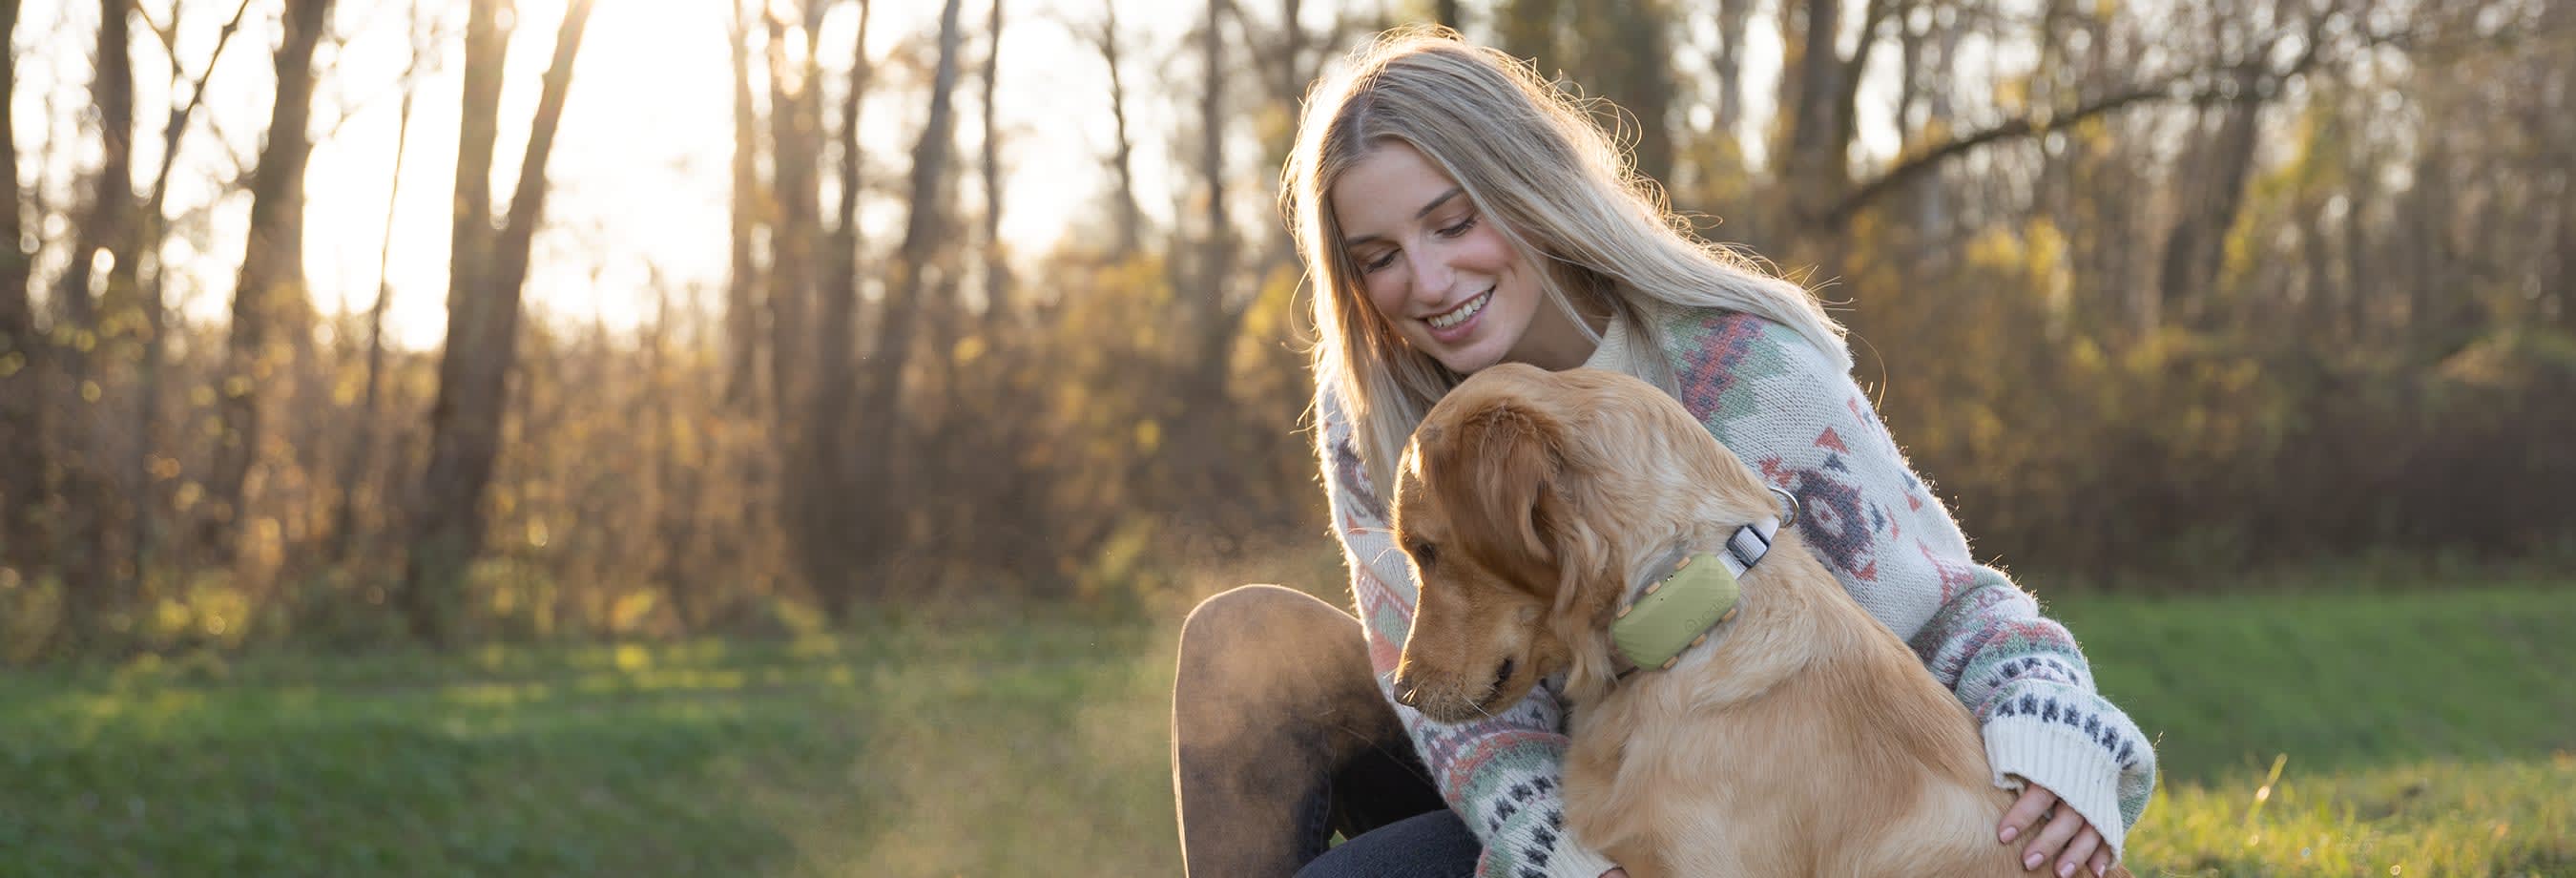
(1423, 554)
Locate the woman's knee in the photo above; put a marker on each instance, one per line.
(1262, 618)
(1268, 639)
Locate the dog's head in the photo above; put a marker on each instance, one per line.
(1526, 502)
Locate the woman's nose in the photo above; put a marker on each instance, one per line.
(1432, 275)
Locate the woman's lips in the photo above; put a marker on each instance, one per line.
(1465, 318)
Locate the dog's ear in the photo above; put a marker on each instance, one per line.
(1505, 456)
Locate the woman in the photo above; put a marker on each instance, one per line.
(1455, 211)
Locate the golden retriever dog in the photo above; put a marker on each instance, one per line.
(1800, 737)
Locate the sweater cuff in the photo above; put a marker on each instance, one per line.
(2064, 760)
(1576, 861)
(1564, 858)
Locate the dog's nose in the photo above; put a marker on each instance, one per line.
(1406, 695)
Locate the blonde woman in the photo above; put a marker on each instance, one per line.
(1456, 211)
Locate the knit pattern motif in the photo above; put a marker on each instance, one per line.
(1784, 408)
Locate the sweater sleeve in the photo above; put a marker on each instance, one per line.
(1801, 420)
(1500, 774)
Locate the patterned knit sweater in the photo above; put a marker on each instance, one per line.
(1784, 408)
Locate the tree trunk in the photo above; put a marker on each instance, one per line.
(90, 559)
(1619, 50)
(826, 492)
(486, 277)
(1528, 29)
(1195, 459)
(1732, 18)
(997, 273)
(742, 282)
(2196, 247)
(22, 352)
(1130, 218)
(1812, 160)
(880, 531)
(1914, 47)
(2563, 281)
(795, 110)
(1922, 83)
(111, 207)
(271, 283)
(1291, 68)
(2363, 284)
(1204, 359)
(1638, 75)
(1817, 165)
(2563, 286)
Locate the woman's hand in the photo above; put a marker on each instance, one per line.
(2065, 833)
(1615, 872)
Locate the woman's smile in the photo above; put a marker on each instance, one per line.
(1455, 323)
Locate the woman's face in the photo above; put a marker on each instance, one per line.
(1440, 273)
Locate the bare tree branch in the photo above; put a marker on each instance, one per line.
(2173, 87)
(179, 115)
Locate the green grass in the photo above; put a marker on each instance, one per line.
(2415, 733)
(2382, 733)
(898, 751)
(2339, 680)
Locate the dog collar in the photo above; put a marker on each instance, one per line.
(1679, 609)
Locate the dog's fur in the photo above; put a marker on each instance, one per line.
(1803, 739)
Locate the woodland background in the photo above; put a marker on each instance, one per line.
(2150, 290)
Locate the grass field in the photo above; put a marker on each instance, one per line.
(2390, 734)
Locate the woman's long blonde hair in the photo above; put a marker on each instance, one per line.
(1532, 161)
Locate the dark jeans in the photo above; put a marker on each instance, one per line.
(1280, 739)
(1431, 845)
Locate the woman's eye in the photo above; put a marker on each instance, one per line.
(1459, 229)
(1382, 261)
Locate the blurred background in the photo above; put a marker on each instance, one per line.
(784, 435)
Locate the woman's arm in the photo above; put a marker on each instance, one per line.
(1790, 413)
(1499, 774)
